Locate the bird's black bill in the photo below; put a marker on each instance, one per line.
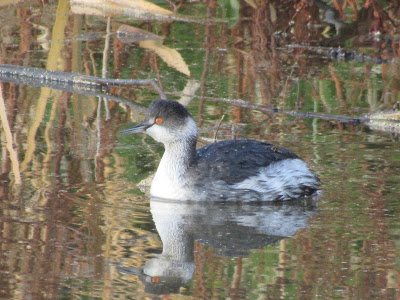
(136, 129)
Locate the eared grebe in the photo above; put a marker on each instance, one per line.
(231, 170)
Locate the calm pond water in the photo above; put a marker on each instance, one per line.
(74, 222)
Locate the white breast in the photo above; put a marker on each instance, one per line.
(168, 188)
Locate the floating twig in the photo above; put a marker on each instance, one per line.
(219, 125)
(23, 74)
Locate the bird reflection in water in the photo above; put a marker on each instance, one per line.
(230, 228)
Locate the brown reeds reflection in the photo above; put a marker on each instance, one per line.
(275, 58)
(36, 246)
(69, 242)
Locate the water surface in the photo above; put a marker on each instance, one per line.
(75, 224)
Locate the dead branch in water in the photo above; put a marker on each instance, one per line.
(338, 118)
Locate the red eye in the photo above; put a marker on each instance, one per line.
(159, 121)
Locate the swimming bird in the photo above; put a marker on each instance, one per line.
(229, 170)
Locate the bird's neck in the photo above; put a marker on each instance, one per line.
(171, 176)
(178, 156)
